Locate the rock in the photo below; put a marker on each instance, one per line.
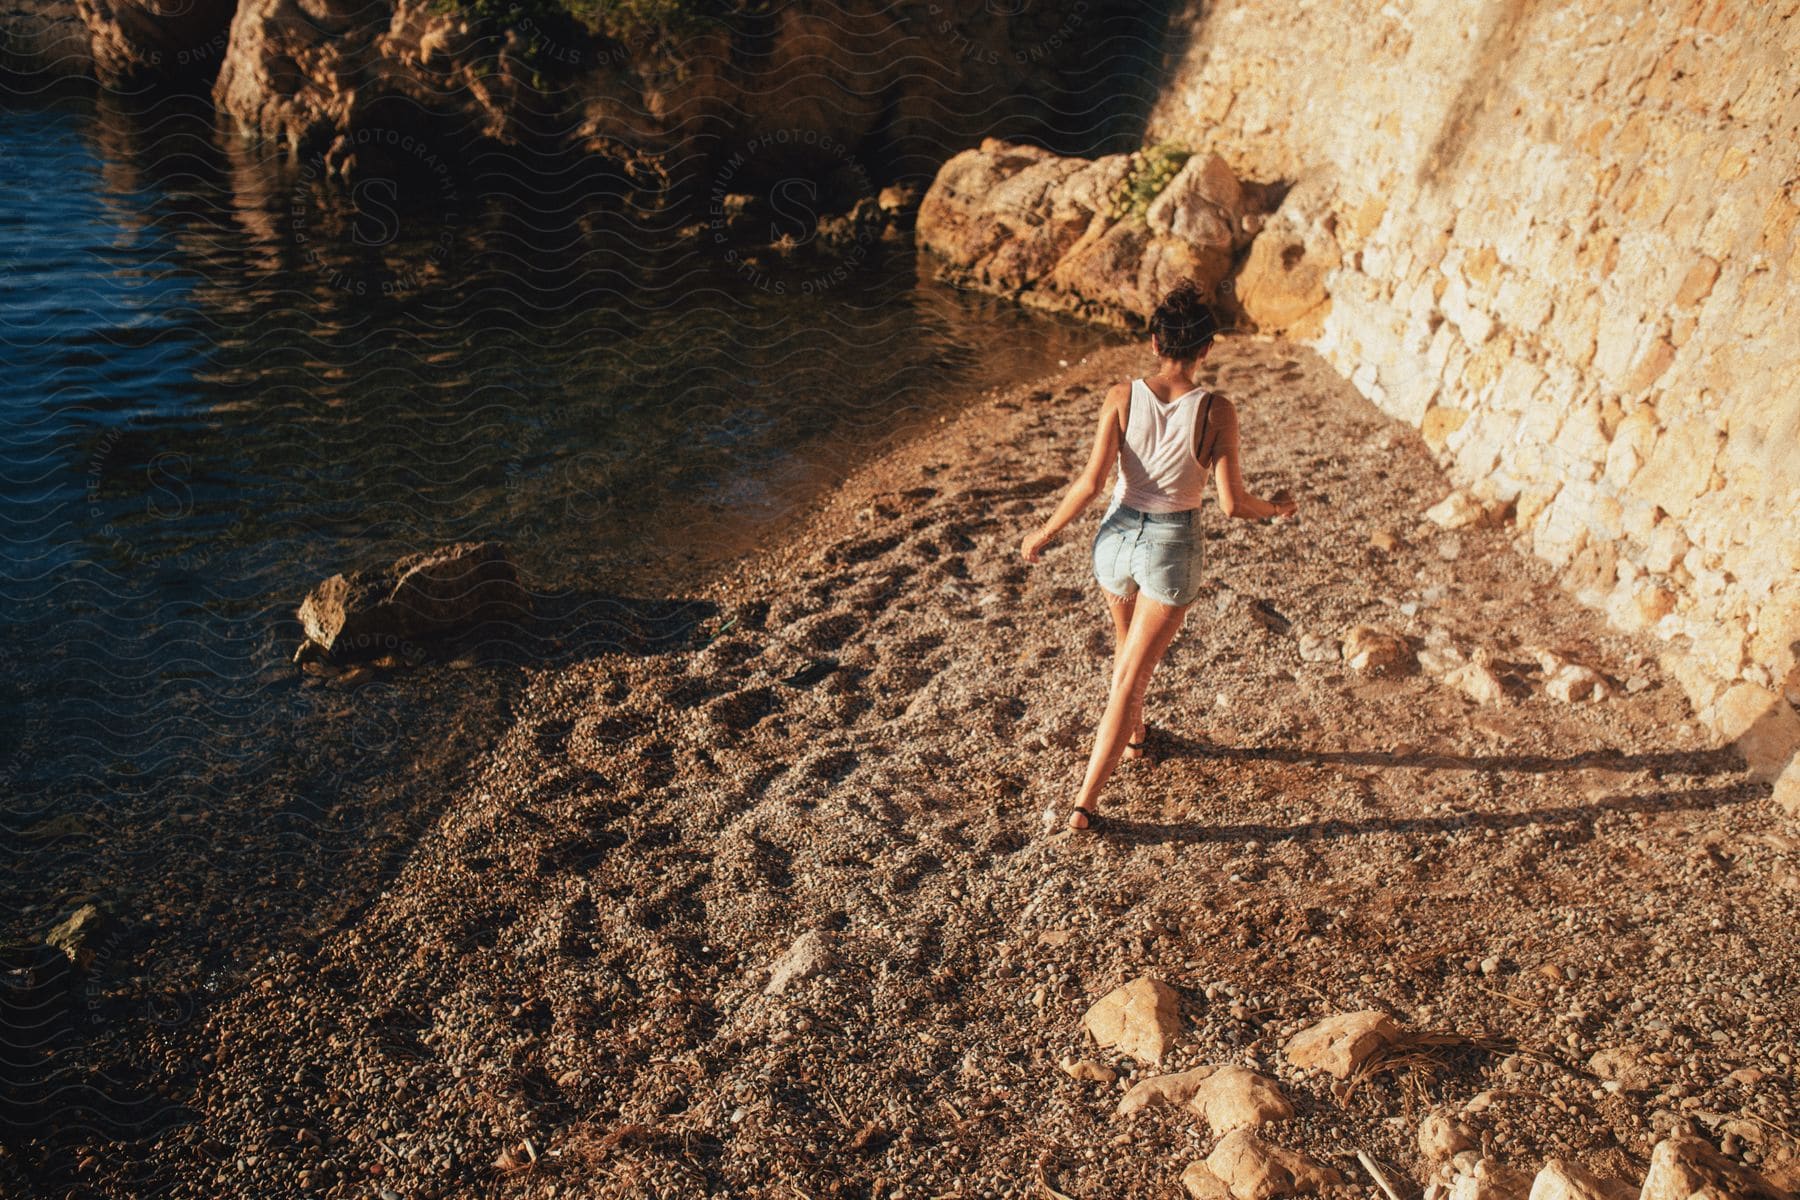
(1317, 649)
(1252, 1169)
(134, 44)
(1228, 1097)
(1282, 284)
(810, 954)
(1376, 651)
(1018, 220)
(1202, 1184)
(1233, 1098)
(1088, 1069)
(1490, 1180)
(1159, 1090)
(1458, 510)
(1689, 1169)
(82, 934)
(1477, 683)
(1340, 1045)
(1140, 1019)
(1384, 541)
(1442, 1137)
(422, 596)
(1568, 681)
(1622, 1065)
(1560, 1180)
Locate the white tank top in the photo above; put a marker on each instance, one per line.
(1157, 468)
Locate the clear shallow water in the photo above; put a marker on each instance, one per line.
(222, 385)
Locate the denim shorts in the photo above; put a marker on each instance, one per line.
(1157, 552)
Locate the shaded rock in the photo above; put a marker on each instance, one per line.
(82, 934)
(421, 596)
(1443, 1137)
(1689, 1169)
(1376, 651)
(1252, 1169)
(134, 43)
(1560, 1180)
(811, 954)
(1159, 1090)
(1140, 1019)
(1340, 1045)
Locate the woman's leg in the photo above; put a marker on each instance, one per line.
(1121, 608)
(1153, 627)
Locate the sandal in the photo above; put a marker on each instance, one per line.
(1092, 816)
(1139, 746)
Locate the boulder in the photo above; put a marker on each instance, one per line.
(1252, 1169)
(1282, 285)
(1140, 1019)
(135, 43)
(422, 596)
(811, 954)
(82, 934)
(1340, 1045)
(1560, 1180)
(1376, 651)
(1202, 1184)
(1018, 220)
(1228, 1097)
(1689, 1169)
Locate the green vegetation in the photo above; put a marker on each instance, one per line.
(1151, 170)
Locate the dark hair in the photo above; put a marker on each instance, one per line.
(1184, 323)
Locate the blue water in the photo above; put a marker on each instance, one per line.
(223, 383)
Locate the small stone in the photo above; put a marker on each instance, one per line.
(1140, 1019)
(1384, 541)
(81, 934)
(1747, 1076)
(810, 954)
(1458, 510)
(1621, 1064)
(1317, 649)
(1254, 1170)
(1477, 683)
(1442, 1137)
(1340, 1045)
(1377, 651)
(1088, 1069)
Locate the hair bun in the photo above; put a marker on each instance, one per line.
(1184, 323)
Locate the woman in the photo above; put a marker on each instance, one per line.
(1166, 434)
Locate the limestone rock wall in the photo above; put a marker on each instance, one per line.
(1562, 241)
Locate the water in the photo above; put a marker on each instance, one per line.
(224, 383)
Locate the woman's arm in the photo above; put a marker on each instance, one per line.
(1234, 498)
(1087, 484)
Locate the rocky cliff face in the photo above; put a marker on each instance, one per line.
(729, 95)
(1560, 239)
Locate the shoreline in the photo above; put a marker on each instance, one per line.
(579, 952)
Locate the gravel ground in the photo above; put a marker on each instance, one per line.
(849, 741)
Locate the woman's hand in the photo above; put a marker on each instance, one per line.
(1284, 503)
(1034, 543)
